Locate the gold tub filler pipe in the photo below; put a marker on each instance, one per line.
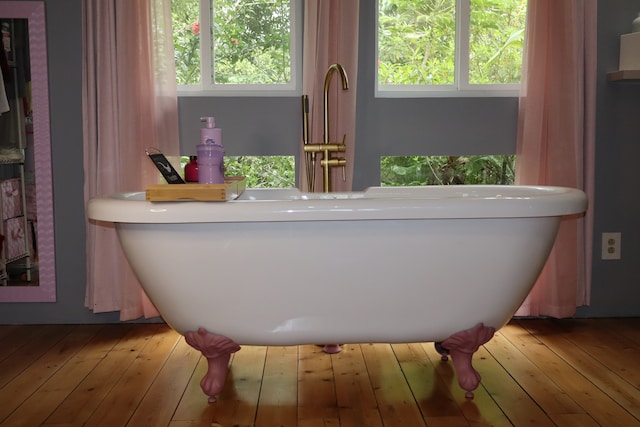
(326, 147)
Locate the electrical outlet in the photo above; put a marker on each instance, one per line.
(611, 245)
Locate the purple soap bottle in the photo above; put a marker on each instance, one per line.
(210, 153)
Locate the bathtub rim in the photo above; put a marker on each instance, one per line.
(401, 203)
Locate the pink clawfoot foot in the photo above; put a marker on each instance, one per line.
(213, 381)
(443, 352)
(217, 349)
(461, 347)
(332, 348)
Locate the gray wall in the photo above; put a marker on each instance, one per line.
(616, 284)
(385, 127)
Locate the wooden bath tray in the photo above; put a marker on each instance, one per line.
(233, 186)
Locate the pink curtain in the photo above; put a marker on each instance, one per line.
(556, 140)
(129, 103)
(331, 36)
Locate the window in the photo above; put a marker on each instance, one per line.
(449, 47)
(263, 171)
(235, 47)
(259, 171)
(447, 170)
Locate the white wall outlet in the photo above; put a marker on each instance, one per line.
(611, 245)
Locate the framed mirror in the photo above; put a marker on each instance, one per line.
(36, 155)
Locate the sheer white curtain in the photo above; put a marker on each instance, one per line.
(129, 103)
(556, 140)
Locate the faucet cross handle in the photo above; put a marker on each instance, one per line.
(344, 165)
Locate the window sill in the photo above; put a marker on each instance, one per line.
(629, 75)
(422, 91)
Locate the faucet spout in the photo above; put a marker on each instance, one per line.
(325, 148)
(327, 83)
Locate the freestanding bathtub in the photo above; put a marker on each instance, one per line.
(448, 264)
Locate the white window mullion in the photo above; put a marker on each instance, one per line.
(463, 35)
(295, 44)
(206, 50)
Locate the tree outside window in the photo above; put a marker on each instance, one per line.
(459, 43)
(224, 42)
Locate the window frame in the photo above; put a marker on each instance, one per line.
(207, 88)
(461, 88)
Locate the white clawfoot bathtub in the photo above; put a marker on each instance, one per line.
(447, 264)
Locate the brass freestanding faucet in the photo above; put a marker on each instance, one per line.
(326, 147)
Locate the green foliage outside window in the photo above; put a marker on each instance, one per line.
(251, 41)
(496, 41)
(259, 171)
(416, 41)
(446, 170)
(185, 16)
(263, 171)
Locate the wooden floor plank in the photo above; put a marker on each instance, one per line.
(162, 398)
(7, 330)
(317, 402)
(278, 405)
(397, 404)
(239, 400)
(514, 401)
(589, 383)
(125, 395)
(20, 389)
(575, 420)
(566, 373)
(12, 337)
(549, 396)
(482, 410)
(26, 346)
(608, 345)
(628, 327)
(35, 410)
(432, 394)
(93, 389)
(194, 408)
(357, 405)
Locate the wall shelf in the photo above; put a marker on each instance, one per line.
(616, 76)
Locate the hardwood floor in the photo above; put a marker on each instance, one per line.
(534, 372)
